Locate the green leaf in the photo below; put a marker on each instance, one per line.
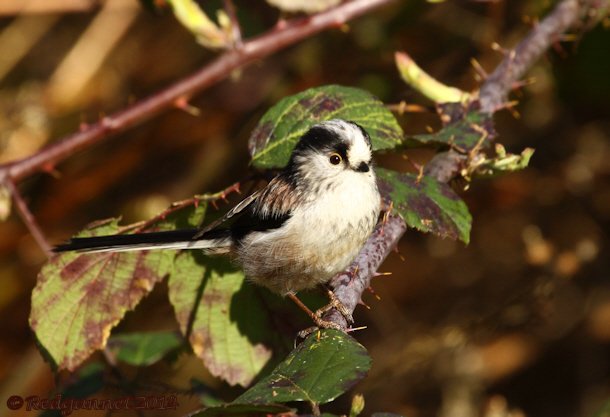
(464, 127)
(281, 127)
(80, 297)
(503, 162)
(320, 369)
(426, 204)
(243, 410)
(142, 349)
(86, 381)
(228, 321)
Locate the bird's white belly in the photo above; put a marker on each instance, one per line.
(320, 240)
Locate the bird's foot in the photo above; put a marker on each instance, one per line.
(320, 324)
(336, 304)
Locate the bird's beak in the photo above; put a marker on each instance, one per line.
(363, 167)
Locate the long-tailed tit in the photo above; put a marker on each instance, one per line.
(304, 227)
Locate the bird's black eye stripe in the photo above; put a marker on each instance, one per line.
(320, 139)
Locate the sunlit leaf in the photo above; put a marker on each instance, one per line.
(229, 322)
(281, 127)
(320, 369)
(426, 204)
(208, 33)
(80, 297)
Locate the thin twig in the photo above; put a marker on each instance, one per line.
(403, 107)
(28, 218)
(235, 26)
(273, 40)
(178, 205)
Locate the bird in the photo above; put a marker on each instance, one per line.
(304, 227)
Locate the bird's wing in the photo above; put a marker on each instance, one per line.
(240, 207)
(266, 209)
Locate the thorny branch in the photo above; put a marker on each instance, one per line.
(517, 62)
(496, 87)
(281, 36)
(349, 286)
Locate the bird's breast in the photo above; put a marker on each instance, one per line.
(320, 239)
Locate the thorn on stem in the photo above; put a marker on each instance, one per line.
(352, 274)
(49, 168)
(372, 291)
(420, 174)
(495, 46)
(183, 104)
(479, 70)
(355, 329)
(108, 123)
(281, 23)
(523, 83)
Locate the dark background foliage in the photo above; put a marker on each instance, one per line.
(517, 320)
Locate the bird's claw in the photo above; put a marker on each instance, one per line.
(337, 305)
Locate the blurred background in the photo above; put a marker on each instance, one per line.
(515, 324)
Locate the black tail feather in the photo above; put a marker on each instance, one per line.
(117, 241)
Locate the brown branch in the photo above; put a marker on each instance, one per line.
(28, 218)
(272, 41)
(493, 94)
(349, 286)
(517, 62)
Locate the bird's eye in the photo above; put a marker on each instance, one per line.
(335, 159)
